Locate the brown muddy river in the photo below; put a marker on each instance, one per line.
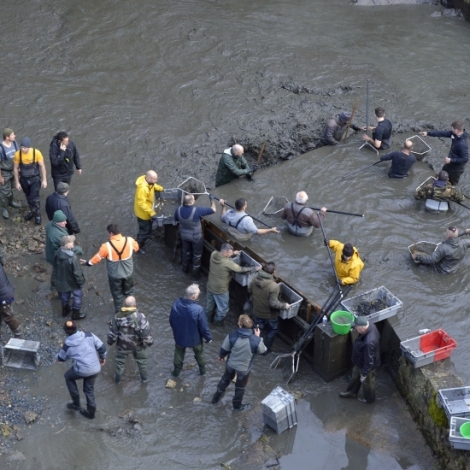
(168, 85)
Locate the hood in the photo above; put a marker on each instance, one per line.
(218, 257)
(125, 317)
(453, 242)
(264, 275)
(229, 151)
(440, 184)
(140, 181)
(244, 332)
(64, 254)
(75, 339)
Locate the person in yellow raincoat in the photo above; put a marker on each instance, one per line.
(145, 185)
(348, 265)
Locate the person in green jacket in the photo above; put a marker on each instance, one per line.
(69, 278)
(232, 164)
(266, 304)
(220, 274)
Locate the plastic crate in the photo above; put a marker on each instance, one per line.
(428, 348)
(245, 260)
(455, 401)
(292, 298)
(353, 304)
(279, 411)
(457, 441)
(432, 205)
(21, 354)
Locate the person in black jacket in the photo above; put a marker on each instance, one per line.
(59, 201)
(64, 156)
(366, 359)
(458, 154)
(6, 299)
(401, 161)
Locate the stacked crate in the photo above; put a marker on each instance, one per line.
(279, 411)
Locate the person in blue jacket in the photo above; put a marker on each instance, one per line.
(88, 354)
(189, 324)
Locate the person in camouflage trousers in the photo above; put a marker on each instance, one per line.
(440, 190)
(130, 330)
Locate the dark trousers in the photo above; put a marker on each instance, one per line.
(198, 355)
(61, 179)
(140, 357)
(192, 250)
(454, 174)
(145, 231)
(31, 187)
(6, 314)
(71, 378)
(270, 327)
(240, 384)
(368, 386)
(120, 288)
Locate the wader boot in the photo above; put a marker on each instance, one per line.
(219, 322)
(196, 274)
(117, 378)
(185, 268)
(18, 332)
(202, 370)
(237, 400)
(37, 216)
(76, 315)
(89, 412)
(217, 396)
(13, 203)
(144, 378)
(75, 405)
(176, 371)
(210, 316)
(66, 310)
(4, 205)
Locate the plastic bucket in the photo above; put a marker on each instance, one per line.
(465, 430)
(341, 322)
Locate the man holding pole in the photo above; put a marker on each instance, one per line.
(348, 264)
(232, 164)
(334, 129)
(381, 134)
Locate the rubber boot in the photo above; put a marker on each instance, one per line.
(18, 333)
(185, 268)
(30, 214)
(237, 400)
(219, 322)
(75, 405)
(4, 206)
(13, 203)
(347, 395)
(210, 317)
(175, 372)
(144, 378)
(66, 309)
(217, 396)
(76, 315)
(196, 274)
(89, 412)
(202, 370)
(117, 378)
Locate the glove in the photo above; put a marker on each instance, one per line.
(254, 168)
(249, 176)
(363, 378)
(326, 242)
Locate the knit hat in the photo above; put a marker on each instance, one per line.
(62, 188)
(444, 176)
(348, 250)
(59, 216)
(65, 240)
(25, 142)
(7, 132)
(70, 327)
(345, 116)
(360, 321)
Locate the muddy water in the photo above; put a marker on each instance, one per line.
(166, 86)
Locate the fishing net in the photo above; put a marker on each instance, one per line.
(420, 147)
(193, 186)
(422, 248)
(275, 205)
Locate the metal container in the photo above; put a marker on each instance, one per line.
(279, 411)
(292, 298)
(455, 401)
(428, 348)
(457, 441)
(21, 354)
(380, 294)
(245, 260)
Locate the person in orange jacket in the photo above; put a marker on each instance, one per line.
(146, 185)
(118, 253)
(348, 265)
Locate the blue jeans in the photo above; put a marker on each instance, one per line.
(77, 298)
(217, 300)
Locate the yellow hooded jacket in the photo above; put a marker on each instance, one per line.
(144, 198)
(348, 272)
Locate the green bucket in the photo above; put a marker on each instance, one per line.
(465, 430)
(341, 322)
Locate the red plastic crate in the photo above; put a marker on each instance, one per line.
(438, 341)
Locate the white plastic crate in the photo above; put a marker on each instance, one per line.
(457, 441)
(292, 298)
(353, 304)
(279, 411)
(245, 260)
(455, 401)
(21, 354)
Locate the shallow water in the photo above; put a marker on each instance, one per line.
(141, 85)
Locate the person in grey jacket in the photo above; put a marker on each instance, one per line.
(448, 254)
(88, 354)
(334, 129)
(69, 278)
(240, 347)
